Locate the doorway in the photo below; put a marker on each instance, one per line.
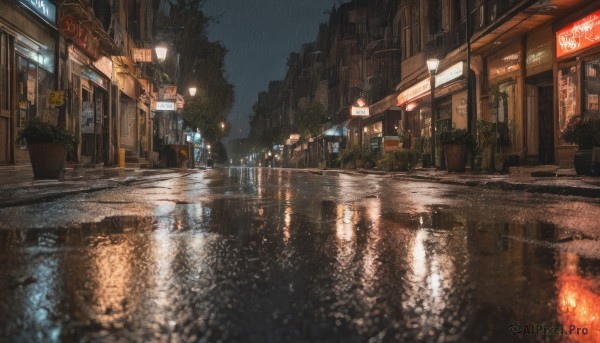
(540, 119)
(546, 124)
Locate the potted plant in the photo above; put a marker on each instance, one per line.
(489, 149)
(583, 131)
(456, 144)
(47, 145)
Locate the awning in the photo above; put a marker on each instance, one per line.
(383, 104)
(336, 131)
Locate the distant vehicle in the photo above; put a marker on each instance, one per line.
(210, 163)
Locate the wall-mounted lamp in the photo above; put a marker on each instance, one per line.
(161, 52)
(361, 102)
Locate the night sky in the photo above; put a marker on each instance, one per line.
(260, 34)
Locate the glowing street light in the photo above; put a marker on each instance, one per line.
(193, 90)
(161, 52)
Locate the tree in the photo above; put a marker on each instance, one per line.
(201, 64)
(312, 118)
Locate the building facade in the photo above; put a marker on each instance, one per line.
(29, 70)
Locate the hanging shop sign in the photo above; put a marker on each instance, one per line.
(579, 35)
(356, 111)
(142, 55)
(165, 106)
(43, 8)
(82, 37)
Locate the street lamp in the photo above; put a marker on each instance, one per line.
(161, 52)
(432, 66)
(192, 90)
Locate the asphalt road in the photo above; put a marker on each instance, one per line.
(267, 255)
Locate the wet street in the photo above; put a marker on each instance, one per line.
(276, 255)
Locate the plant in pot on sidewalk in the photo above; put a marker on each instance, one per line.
(457, 143)
(490, 151)
(583, 131)
(47, 145)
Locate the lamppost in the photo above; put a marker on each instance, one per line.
(432, 66)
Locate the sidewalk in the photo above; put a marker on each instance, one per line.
(547, 179)
(17, 186)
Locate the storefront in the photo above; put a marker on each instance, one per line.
(450, 109)
(28, 43)
(384, 120)
(90, 110)
(135, 125)
(89, 76)
(504, 93)
(578, 74)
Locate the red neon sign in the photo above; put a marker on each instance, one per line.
(579, 35)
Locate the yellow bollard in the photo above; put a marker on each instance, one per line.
(121, 157)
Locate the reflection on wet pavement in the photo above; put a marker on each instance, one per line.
(267, 255)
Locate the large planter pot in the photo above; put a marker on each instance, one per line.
(455, 157)
(583, 161)
(48, 160)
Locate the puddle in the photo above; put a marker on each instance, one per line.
(59, 236)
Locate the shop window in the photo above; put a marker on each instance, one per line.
(567, 94)
(591, 87)
(33, 83)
